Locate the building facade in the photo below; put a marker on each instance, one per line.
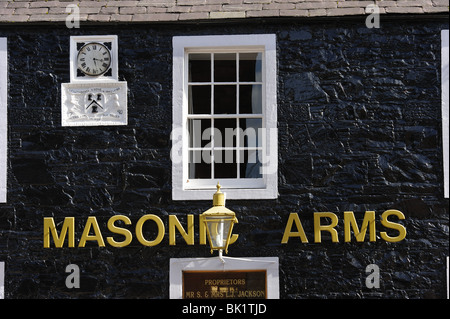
(336, 163)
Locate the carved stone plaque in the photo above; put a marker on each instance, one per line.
(88, 104)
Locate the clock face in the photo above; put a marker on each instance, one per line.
(94, 59)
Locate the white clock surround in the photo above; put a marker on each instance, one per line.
(77, 41)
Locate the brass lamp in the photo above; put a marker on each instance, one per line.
(219, 222)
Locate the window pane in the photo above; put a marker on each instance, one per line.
(250, 67)
(250, 99)
(225, 165)
(224, 132)
(199, 132)
(251, 132)
(225, 67)
(250, 164)
(200, 99)
(224, 99)
(199, 67)
(199, 164)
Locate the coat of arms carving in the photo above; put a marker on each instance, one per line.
(100, 104)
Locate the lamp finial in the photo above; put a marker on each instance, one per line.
(219, 197)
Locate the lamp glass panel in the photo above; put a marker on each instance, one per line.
(218, 230)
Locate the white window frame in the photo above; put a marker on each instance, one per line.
(2, 280)
(3, 117)
(269, 264)
(265, 188)
(445, 106)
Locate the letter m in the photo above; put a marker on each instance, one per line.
(368, 222)
(50, 229)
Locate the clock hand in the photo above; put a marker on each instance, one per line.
(101, 60)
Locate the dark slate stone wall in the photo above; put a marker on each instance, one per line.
(359, 129)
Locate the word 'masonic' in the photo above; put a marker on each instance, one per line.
(93, 233)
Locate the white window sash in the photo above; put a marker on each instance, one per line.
(3, 117)
(262, 188)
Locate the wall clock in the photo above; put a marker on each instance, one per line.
(93, 58)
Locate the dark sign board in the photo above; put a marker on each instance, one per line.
(236, 284)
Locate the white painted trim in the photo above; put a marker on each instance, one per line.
(447, 278)
(94, 38)
(178, 265)
(3, 117)
(182, 44)
(2, 280)
(445, 106)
